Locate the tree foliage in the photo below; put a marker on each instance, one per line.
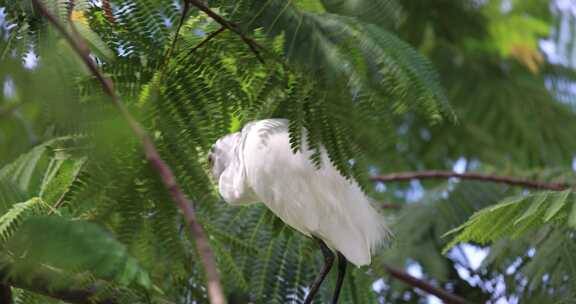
(383, 85)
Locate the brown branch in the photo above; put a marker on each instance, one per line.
(443, 295)
(81, 49)
(153, 157)
(225, 23)
(435, 174)
(391, 206)
(206, 40)
(108, 11)
(185, 10)
(59, 201)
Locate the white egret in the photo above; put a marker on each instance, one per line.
(257, 165)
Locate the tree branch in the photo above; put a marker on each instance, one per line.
(423, 285)
(154, 159)
(436, 174)
(391, 206)
(108, 11)
(206, 40)
(185, 10)
(225, 23)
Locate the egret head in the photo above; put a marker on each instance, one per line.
(222, 153)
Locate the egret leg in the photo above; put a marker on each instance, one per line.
(328, 261)
(342, 263)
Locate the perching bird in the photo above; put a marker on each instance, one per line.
(257, 165)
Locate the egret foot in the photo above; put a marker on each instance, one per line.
(328, 261)
(342, 262)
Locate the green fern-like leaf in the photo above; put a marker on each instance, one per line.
(387, 13)
(75, 246)
(513, 216)
(339, 47)
(11, 219)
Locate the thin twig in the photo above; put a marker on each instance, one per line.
(442, 294)
(154, 159)
(391, 206)
(185, 10)
(108, 11)
(59, 201)
(434, 174)
(206, 40)
(225, 23)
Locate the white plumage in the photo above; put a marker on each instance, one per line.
(257, 165)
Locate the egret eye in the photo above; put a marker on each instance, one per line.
(210, 160)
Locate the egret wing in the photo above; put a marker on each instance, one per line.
(318, 202)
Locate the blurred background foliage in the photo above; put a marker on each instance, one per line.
(386, 86)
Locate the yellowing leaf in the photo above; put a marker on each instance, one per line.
(517, 36)
(98, 46)
(78, 16)
(531, 58)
